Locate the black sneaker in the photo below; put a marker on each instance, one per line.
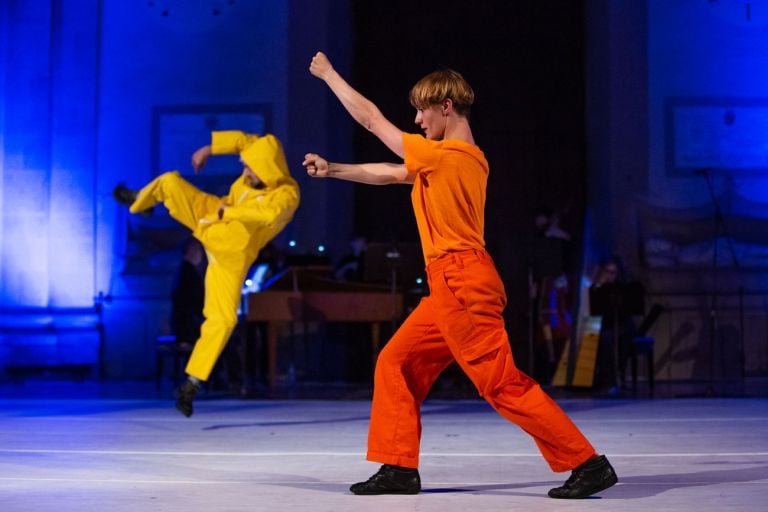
(185, 394)
(593, 476)
(124, 195)
(390, 480)
(127, 196)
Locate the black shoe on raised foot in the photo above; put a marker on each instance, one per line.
(593, 476)
(124, 195)
(127, 196)
(390, 480)
(185, 394)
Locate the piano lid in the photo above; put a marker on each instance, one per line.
(316, 278)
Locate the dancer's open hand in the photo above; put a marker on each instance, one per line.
(320, 66)
(317, 166)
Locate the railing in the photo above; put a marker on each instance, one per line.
(706, 338)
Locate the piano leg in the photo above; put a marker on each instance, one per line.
(273, 328)
(272, 331)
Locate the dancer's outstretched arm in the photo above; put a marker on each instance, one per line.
(360, 108)
(372, 174)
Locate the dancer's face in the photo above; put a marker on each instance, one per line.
(255, 181)
(432, 121)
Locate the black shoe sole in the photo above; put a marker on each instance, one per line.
(183, 410)
(389, 480)
(603, 486)
(183, 403)
(381, 493)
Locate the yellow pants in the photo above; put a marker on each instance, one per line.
(223, 277)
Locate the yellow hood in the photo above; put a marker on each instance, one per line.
(264, 155)
(266, 159)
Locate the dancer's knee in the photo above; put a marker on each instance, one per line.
(495, 373)
(222, 320)
(169, 177)
(383, 360)
(387, 364)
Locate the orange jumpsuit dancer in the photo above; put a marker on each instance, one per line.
(461, 320)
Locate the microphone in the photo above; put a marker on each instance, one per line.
(701, 172)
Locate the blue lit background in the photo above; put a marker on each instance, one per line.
(80, 82)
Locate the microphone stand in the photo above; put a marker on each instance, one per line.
(718, 231)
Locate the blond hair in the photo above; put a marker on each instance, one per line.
(438, 86)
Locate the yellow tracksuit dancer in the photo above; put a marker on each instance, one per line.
(233, 229)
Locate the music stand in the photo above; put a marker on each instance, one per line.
(398, 265)
(617, 300)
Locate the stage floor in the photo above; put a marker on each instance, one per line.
(232, 455)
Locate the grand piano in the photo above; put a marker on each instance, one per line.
(305, 294)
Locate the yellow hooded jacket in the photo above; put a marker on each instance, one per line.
(253, 215)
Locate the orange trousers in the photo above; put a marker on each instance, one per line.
(461, 320)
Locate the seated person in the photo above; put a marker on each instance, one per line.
(616, 299)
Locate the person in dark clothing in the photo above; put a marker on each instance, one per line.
(188, 295)
(549, 290)
(614, 297)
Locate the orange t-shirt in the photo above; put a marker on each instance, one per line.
(448, 194)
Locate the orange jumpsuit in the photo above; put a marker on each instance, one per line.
(460, 320)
